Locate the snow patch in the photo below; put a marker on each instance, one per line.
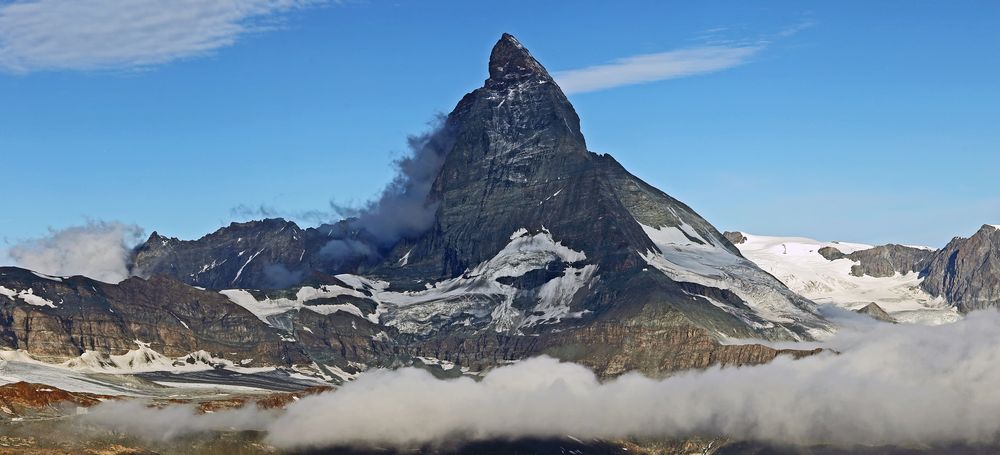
(48, 277)
(267, 308)
(27, 296)
(687, 256)
(240, 271)
(478, 295)
(405, 259)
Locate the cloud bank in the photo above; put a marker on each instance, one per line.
(135, 417)
(890, 384)
(38, 35)
(99, 250)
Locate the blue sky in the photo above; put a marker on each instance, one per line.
(865, 121)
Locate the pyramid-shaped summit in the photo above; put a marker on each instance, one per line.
(534, 234)
(510, 62)
(536, 245)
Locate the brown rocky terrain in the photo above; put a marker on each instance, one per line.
(24, 399)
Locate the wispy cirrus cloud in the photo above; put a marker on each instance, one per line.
(40, 35)
(655, 67)
(709, 58)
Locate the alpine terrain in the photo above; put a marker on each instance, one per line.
(503, 247)
(536, 245)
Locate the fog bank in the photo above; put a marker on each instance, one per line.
(890, 384)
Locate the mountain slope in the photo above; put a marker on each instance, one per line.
(519, 168)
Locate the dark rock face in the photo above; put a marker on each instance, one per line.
(875, 312)
(266, 254)
(517, 143)
(967, 271)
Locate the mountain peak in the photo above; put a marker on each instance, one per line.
(511, 61)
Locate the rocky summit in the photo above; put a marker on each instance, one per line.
(536, 246)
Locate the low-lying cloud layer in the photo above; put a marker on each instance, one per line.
(98, 249)
(135, 417)
(890, 384)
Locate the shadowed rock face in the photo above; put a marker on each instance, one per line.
(517, 170)
(967, 271)
(266, 254)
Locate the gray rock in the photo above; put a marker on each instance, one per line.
(876, 312)
(967, 271)
(881, 261)
(887, 260)
(831, 253)
(736, 238)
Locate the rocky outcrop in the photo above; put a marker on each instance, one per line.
(876, 312)
(883, 260)
(830, 253)
(967, 271)
(888, 260)
(736, 238)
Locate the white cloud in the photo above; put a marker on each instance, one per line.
(39, 35)
(99, 250)
(716, 54)
(890, 384)
(655, 67)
